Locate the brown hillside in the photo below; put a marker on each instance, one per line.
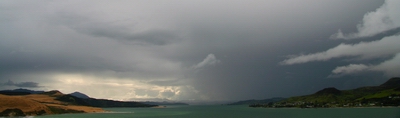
(29, 107)
(38, 104)
(54, 93)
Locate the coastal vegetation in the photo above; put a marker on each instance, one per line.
(387, 94)
(264, 101)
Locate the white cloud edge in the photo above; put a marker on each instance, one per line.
(389, 67)
(383, 19)
(209, 60)
(387, 46)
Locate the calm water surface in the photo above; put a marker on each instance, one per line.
(193, 111)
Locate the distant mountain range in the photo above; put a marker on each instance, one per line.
(386, 94)
(19, 91)
(165, 103)
(79, 98)
(100, 102)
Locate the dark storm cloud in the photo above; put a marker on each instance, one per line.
(251, 63)
(157, 37)
(225, 50)
(113, 29)
(384, 19)
(22, 84)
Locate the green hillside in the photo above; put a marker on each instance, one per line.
(387, 94)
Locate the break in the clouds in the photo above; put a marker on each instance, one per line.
(383, 19)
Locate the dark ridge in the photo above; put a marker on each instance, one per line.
(99, 102)
(330, 90)
(112, 103)
(19, 92)
(12, 113)
(53, 93)
(391, 83)
(164, 103)
(79, 95)
(14, 93)
(73, 100)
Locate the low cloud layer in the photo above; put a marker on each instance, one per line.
(22, 84)
(352, 68)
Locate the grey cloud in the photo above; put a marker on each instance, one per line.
(383, 19)
(141, 92)
(167, 94)
(22, 84)
(53, 47)
(100, 39)
(155, 37)
(381, 24)
(209, 60)
(176, 82)
(377, 22)
(148, 99)
(352, 68)
(144, 92)
(116, 30)
(387, 46)
(389, 67)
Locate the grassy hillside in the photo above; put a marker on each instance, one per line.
(32, 105)
(28, 106)
(387, 94)
(39, 104)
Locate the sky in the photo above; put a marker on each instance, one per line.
(197, 50)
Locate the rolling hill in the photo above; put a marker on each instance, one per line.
(79, 95)
(17, 103)
(386, 94)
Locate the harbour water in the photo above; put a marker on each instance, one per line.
(218, 111)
